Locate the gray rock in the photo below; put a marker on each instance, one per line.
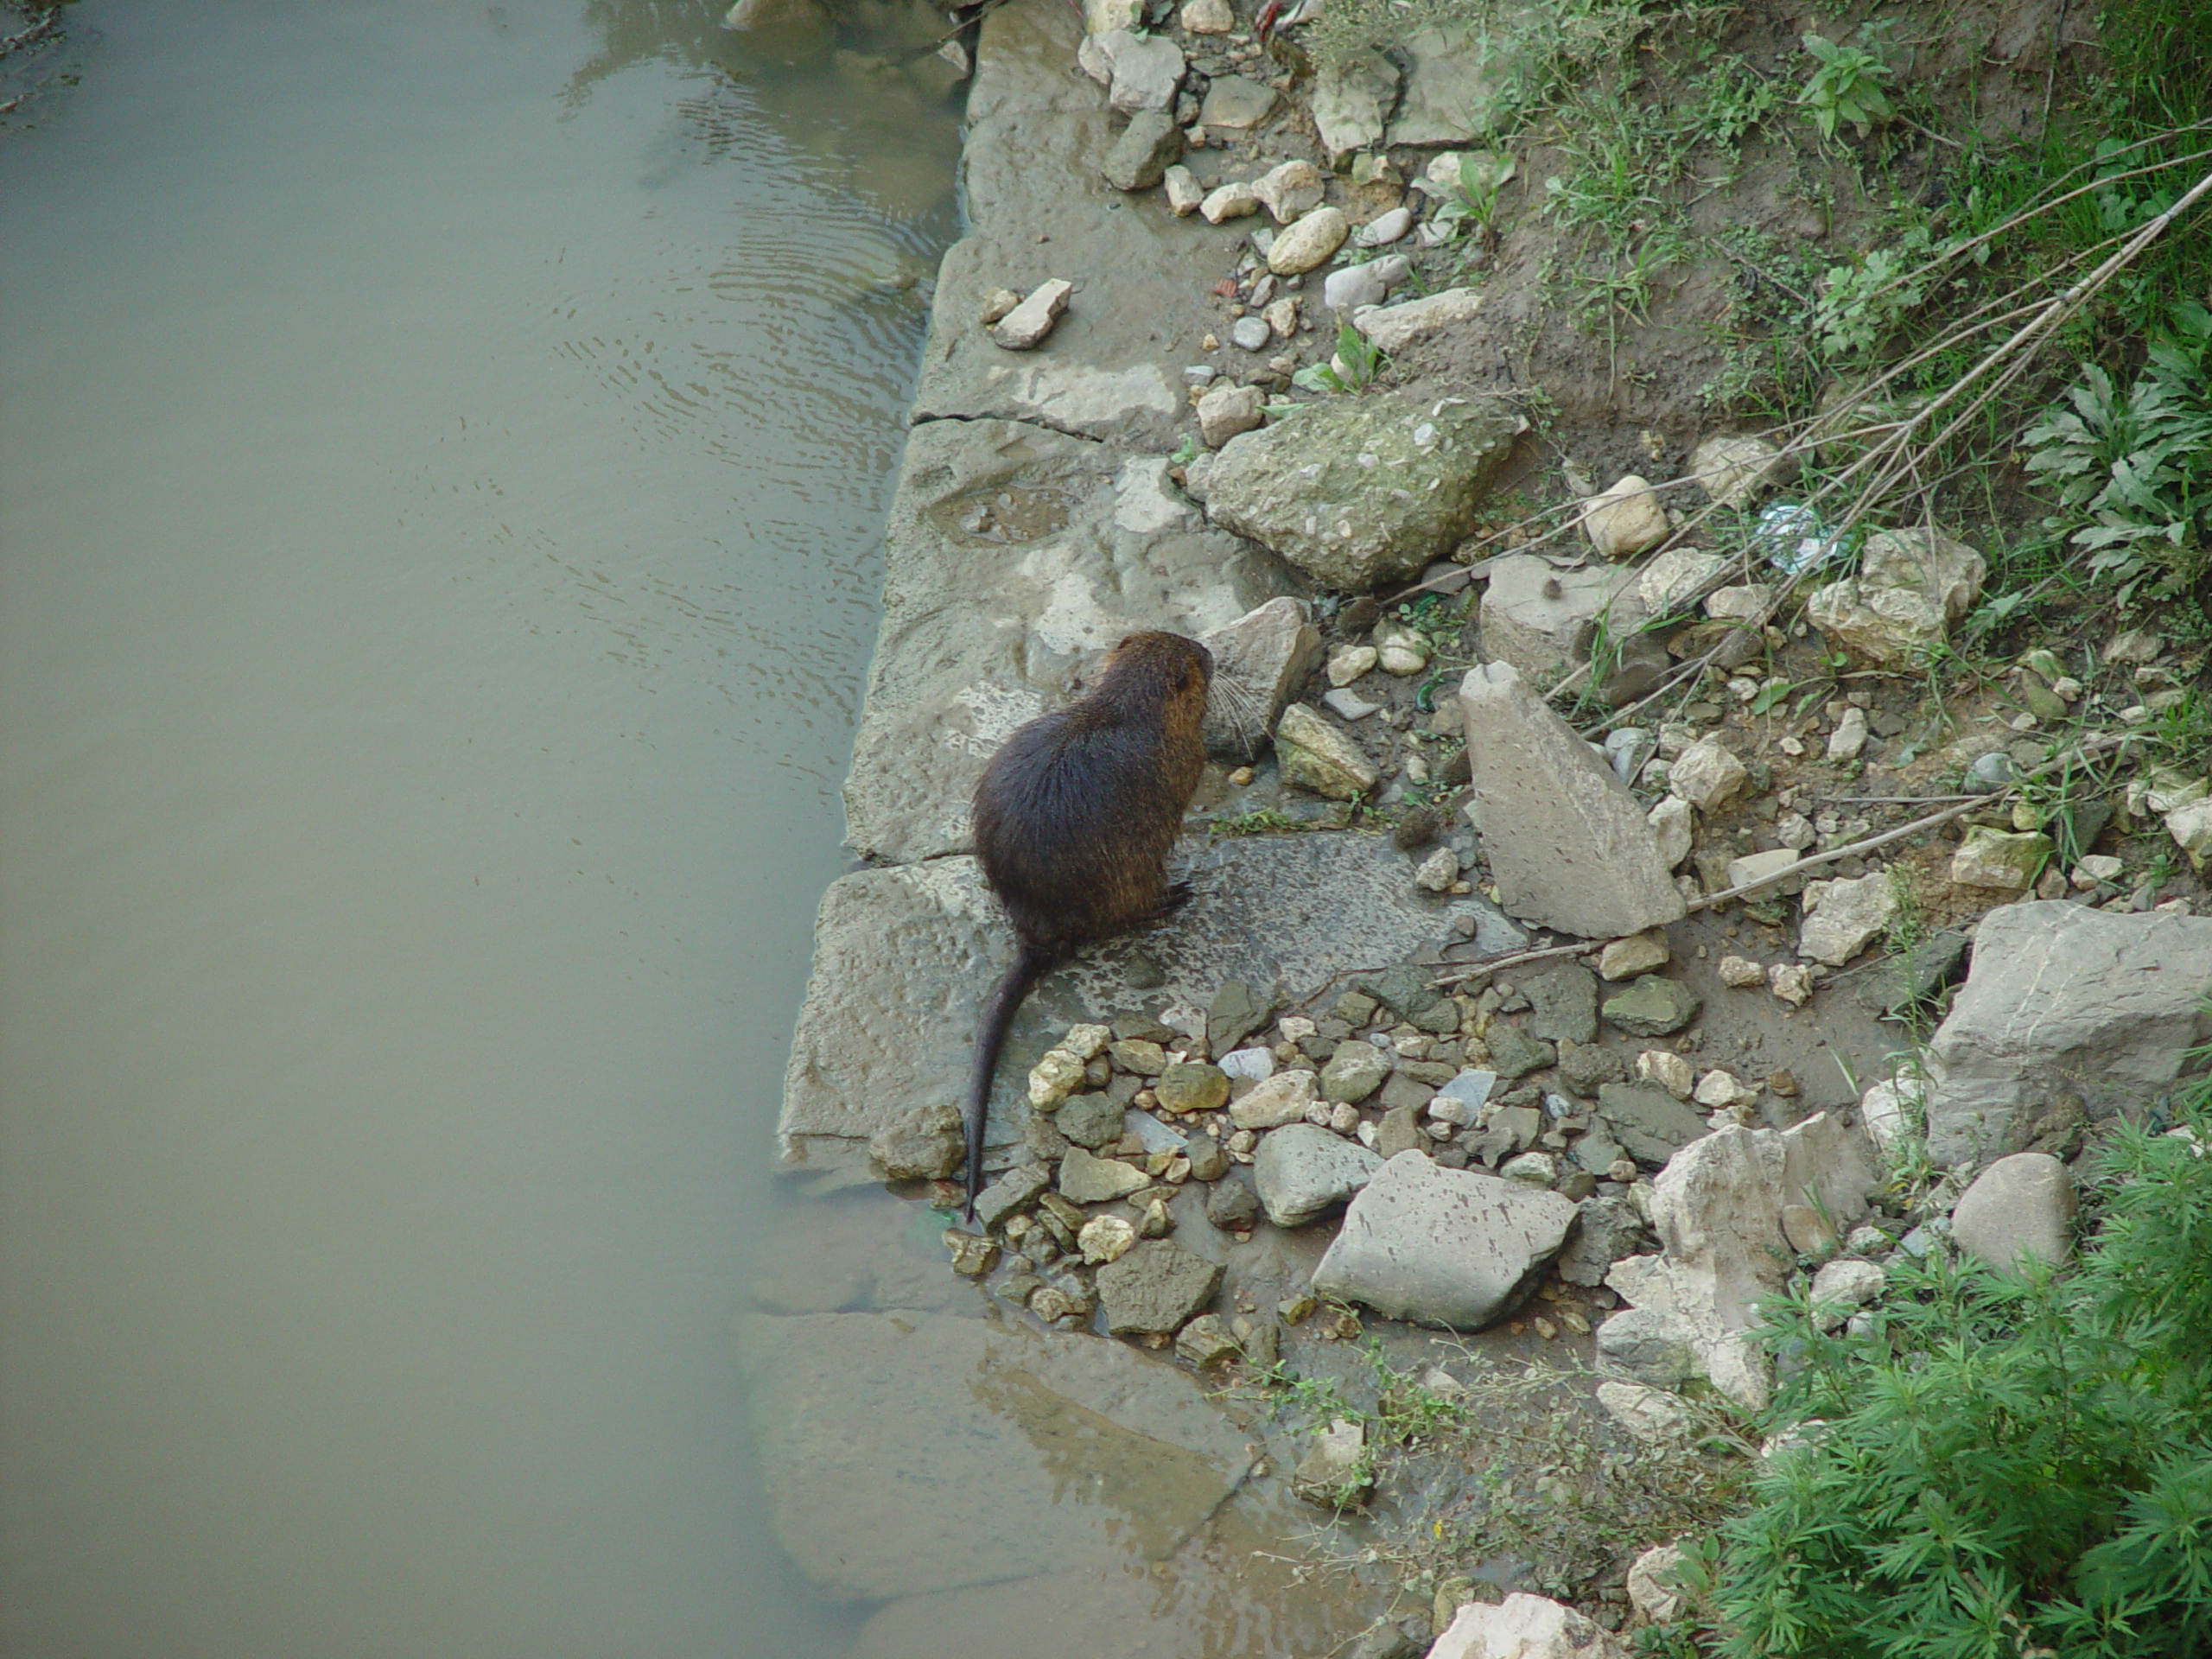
(1015, 1191)
(1670, 580)
(1627, 749)
(925, 1144)
(1142, 70)
(1091, 1121)
(1350, 103)
(1235, 200)
(1088, 1179)
(1652, 1007)
(1280, 1099)
(1841, 917)
(1513, 1053)
(1844, 1284)
(1567, 845)
(1718, 1209)
(2020, 1206)
(1597, 1152)
(1234, 104)
(1337, 1473)
(983, 1453)
(1227, 409)
(1563, 1004)
(1648, 1120)
(1651, 1584)
(1251, 333)
(1290, 190)
(1459, 1100)
(1206, 1341)
(1519, 1125)
(1407, 991)
(1141, 156)
(1234, 1014)
(1542, 619)
(1303, 1171)
(1184, 192)
(1322, 758)
(1231, 1203)
(1531, 1169)
(1585, 1066)
(1453, 1248)
(1259, 662)
(1369, 284)
(1463, 84)
(1915, 974)
(2063, 999)
(1707, 774)
(1391, 328)
(1912, 586)
(1360, 491)
(1155, 1288)
(1026, 324)
(1400, 1131)
(1650, 1345)
(1608, 1230)
(1735, 471)
(1761, 871)
(1384, 228)
(1209, 1157)
(1354, 1071)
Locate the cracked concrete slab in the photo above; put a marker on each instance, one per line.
(1142, 275)
(903, 958)
(1014, 557)
(975, 1453)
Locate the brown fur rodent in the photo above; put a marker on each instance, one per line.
(1075, 816)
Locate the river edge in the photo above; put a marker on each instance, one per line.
(1058, 501)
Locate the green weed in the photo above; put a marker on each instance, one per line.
(1356, 362)
(1999, 1466)
(1845, 85)
(2132, 466)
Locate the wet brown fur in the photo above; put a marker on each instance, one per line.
(1075, 817)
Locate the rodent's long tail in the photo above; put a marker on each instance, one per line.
(1029, 965)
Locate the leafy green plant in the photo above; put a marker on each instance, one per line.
(1736, 98)
(1357, 361)
(1862, 302)
(1473, 199)
(2000, 1467)
(1845, 85)
(2136, 463)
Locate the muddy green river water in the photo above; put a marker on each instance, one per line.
(443, 454)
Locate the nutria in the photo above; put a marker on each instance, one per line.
(1074, 818)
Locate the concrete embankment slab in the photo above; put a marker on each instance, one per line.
(914, 1452)
(1014, 557)
(903, 958)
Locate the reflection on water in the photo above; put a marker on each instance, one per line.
(437, 491)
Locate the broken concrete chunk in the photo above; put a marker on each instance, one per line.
(1454, 1248)
(2064, 1000)
(1026, 324)
(1569, 847)
(1625, 519)
(1360, 491)
(1317, 755)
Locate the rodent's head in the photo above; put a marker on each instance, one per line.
(1184, 667)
